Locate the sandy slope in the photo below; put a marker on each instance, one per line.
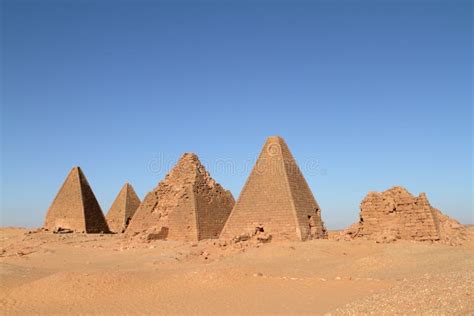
(43, 273)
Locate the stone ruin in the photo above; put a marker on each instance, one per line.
(396, 214)
(276, 202)
(75, 207)
(187, 205)
(123, 208)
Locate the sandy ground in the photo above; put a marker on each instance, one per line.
(44, 273)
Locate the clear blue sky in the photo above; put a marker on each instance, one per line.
(367, 94)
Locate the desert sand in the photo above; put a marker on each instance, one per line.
(46, 273)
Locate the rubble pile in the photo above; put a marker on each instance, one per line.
(397, 214)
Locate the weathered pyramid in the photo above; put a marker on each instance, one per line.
(276, 199)
(75, 207)
(123, 208)
(187, 205)
(396, 214)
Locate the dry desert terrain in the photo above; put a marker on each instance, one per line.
(45, 273)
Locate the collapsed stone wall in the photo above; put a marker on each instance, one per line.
(396, 214)
(187, 205)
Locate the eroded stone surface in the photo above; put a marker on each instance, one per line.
(187, 205)
(396, 214)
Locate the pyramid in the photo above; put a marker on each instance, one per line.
(276, 199)
(123, 208)
(75, 207)
(397, 214)
(187, 205)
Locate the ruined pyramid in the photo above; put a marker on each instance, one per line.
(397, 214)
(123, 208)
(187, 205)
(75, 207)
(276, 199)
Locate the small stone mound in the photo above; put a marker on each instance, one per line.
(188, 205)
(397, 214)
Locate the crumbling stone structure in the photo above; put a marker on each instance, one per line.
(123, 208)
(75, 207)
(396, 214)
(276, 200)
(187, 205)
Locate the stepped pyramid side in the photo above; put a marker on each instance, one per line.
(75, 207)
(276, 198)
(187, 205)
(123, 208)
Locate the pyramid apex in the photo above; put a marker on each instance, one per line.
(187, 170)
(275, 146)
(75, 171)
(190, 160)
(128, 186)
(275, 138)
(189, 156)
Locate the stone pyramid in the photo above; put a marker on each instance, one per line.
(276, 199)
(75, 207)
(123, 208)
(187, 205)
(397, 214)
